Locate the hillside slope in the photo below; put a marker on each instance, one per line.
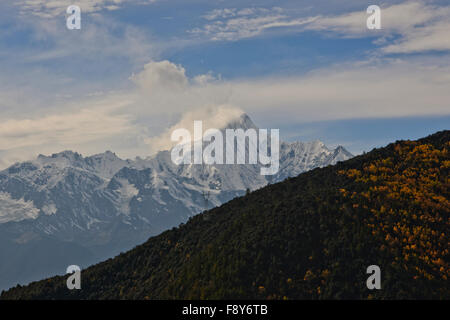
(309, 237)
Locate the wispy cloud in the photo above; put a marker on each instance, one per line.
(54, 62)
(102, 38)
(407, 27)
(235, 24)
(411, 26)
(81, 126)
(53, 8)
(367, 89)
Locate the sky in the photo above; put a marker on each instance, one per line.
(138, 68)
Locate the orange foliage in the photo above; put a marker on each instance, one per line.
(419, 229)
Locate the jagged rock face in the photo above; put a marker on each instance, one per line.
(105, 204)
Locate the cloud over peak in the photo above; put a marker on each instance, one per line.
(162, 74)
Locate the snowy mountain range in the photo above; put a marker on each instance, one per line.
(68, 209)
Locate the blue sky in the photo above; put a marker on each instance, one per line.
(311, 69)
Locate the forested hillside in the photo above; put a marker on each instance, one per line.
(309, 237)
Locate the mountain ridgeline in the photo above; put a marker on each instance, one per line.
(308, 237)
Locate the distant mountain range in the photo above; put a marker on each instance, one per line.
(309, 237)
(68, 209)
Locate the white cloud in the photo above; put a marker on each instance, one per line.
(397, 18)
(220, 13)
(161, 75)
(234, 24)
(163, 88)
(16, 210)
(214, 117)
(371, 89)
(411, 26)
(87, 128)
(103, 38)
(78, 127)
(57, 64)
(53, 8)
(435, 36)
(417, 26)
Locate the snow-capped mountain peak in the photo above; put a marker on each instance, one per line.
(103, 199)
(242, 122)
(107, 204)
